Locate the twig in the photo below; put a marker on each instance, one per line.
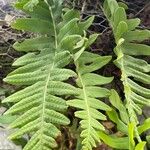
(2, 11)
(83, 8)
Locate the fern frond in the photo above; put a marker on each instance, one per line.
(88, 102)
(135, 71)
(40, 105)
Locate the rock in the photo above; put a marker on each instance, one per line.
(6, 7)
(2, 110)
(4, 2)
(6, 144)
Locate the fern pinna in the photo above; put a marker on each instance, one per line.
(40, 105)
(135, 71)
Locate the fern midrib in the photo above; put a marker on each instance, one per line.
(49, 72)
(85, 98)
(124, 77)
(45, 93)
(54, 24)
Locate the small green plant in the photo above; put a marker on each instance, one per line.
(41, 105)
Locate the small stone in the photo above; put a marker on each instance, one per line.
(6, 144)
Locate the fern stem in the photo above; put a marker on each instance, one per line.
(127, 91)
(54, 24)
(85, 96)
(44, 97)
(51, 68)
(137, 135)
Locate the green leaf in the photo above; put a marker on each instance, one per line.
(71, 14)
(70, 42)
(91, 40)
(31, 4)
(136, 49)
(131, 136)
(98, 79)
(7, 119)
(133, 23)
(140, 146)
(106, 9)
(123, 5)
(78, 54)
(114, 142)
(69, 28)
(139, 89)
(145, 126)
(119, 15)
(148, 140)
(93, 63)
(34, 44)
(137, 35)
(137, 64)
(86, 24)
(120, 30)
(121, 126)
(113, 5)
(41, 11)
(117, 103)
(34, 25)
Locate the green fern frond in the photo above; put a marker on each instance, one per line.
(40, 105)
(39, 108)
(88, 102)
(135, 71)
